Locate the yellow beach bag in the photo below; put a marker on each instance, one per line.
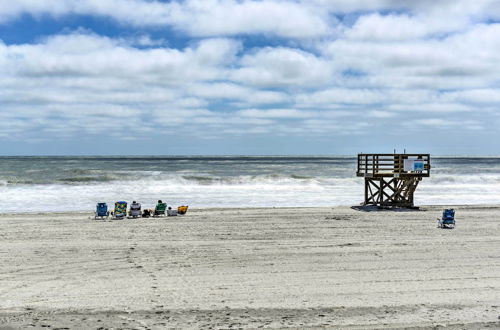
(182, 209)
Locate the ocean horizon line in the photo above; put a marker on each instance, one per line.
(237, 155)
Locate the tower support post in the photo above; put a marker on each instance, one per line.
(390, 191)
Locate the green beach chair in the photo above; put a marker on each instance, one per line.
(160, 209)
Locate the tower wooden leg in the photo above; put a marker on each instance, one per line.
(392, 192)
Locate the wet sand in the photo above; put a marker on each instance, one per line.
(307, 268)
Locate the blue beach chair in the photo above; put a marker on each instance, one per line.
(448, 219)
(101, 211)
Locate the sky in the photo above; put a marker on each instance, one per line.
(240, 77)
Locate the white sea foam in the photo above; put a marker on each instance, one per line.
(53, 185)
(245, 191)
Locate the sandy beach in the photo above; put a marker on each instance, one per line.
(306, 268)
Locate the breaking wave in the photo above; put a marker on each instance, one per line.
(161, 177)
(54, 184)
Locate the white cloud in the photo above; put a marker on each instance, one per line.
(436, 122)
(461, 61)
(230, 17)
(477, 96)
(402, 27)
(380, 114)
(449, 124)
(437, 107)
(136, 12)
(212, 17)
(235, 93)
(456, 8)
(289, 19)
(275, 113)
(437, 59)
(84, 80)
(341, 96)
(223, 91)
(94, 56)
(280, 66)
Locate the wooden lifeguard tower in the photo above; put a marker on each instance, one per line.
(391, 179)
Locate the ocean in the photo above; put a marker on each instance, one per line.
(46, 184)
